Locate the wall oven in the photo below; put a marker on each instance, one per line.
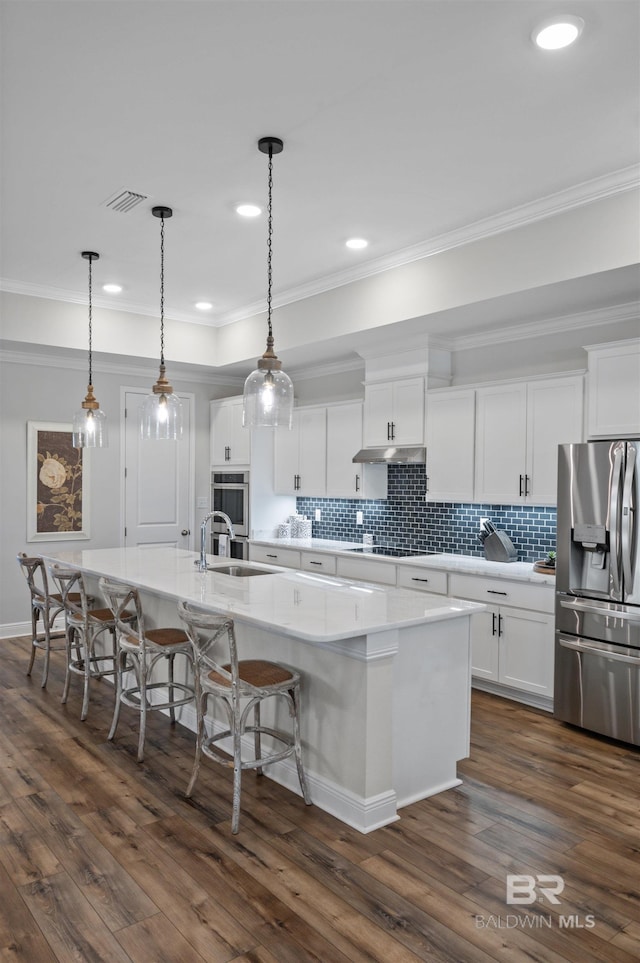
(236, 547)
(230, 494)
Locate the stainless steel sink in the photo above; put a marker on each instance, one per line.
(239, 571)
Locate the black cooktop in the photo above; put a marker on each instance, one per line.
(387, 550)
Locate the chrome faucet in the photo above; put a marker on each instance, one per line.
(202, 563)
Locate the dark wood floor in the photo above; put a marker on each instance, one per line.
(102, 859)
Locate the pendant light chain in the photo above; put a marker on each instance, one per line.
(162, 290)
(90, 326)
(269, 242)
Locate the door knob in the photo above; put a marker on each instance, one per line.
(186, 531)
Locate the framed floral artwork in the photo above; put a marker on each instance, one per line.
(57, 484)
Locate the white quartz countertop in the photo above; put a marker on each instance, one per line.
(444, 561)
(305, 605)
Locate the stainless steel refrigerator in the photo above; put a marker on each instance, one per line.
(597, 649)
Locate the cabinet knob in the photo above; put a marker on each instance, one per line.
(186, 531)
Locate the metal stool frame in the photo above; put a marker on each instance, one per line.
(83, 627)
(140, 650)
(45, 605)
(226, 678)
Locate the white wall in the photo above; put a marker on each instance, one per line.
(53, 392)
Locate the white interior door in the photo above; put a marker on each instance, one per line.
(157, 481)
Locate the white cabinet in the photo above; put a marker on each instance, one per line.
(318, 562)
(501, 425)
(518, 429)
(394, 413)
(344, 439)
(366, 570)
(289, 557)
(450, 435)
(230, 440)
(613, 389)
(421, 579)
(512, 641)
(301, 454)
(555, 409)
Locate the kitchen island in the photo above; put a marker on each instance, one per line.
(386, 672)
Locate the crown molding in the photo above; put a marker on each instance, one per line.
(578, 195)
(132, 366)
(537, 329)
(29, 290)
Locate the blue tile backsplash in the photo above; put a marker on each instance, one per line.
(405, 520)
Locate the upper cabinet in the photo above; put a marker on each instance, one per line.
(450, 444)
(301, 454)
(518, 429)
(344, 439)
(613, 390)
(230, 440)
(394, 413)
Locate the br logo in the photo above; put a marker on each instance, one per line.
(527, 889)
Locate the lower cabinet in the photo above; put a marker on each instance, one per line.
(512, 644)
(514, 647)
(289, 557)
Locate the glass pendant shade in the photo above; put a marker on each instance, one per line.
(90, 424)
(161, 413)
(268, 398)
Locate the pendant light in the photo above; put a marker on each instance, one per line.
(89, 423)
(162, 410)
(268, 391)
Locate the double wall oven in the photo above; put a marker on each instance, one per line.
(230, 494)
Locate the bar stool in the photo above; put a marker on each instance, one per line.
(83, 627)
(139, 650)
(220, 674)
(45, 605)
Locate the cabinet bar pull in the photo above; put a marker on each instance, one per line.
(499, 625)
(526, 485)
(495, 592)
(271, 556)
(393, 430)
(357, 483)
(521, 493)
(315, 563)
(388, 431)
(493, 623)
(415, 579)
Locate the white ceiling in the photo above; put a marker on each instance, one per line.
(402, 122)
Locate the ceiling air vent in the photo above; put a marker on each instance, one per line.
(124, 201)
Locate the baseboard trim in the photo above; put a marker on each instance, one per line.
(516, 695)
(364, 813)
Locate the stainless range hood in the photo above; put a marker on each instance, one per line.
(409, 455)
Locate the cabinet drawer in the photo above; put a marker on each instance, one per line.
(422, 579)
(539, 598)
(318, 562)
(275, 556)
(366, 571)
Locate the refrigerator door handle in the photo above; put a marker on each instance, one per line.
(614, 521)
(628, 520)
(594, 609)
(591, 649)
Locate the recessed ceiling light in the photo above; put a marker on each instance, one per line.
(356, 243)
(248, 210)
(112, 288)
(559, 32)
(204, 305)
